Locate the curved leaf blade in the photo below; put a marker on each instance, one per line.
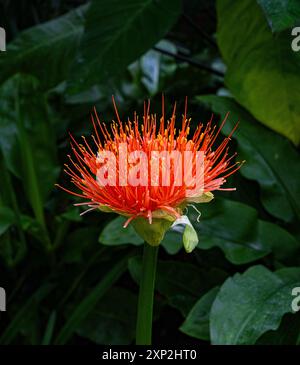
(270, 159)
(251, 304)
(235, 228)
(262, 68)
(53, 43)
(117, 33)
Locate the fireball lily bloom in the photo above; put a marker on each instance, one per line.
(152, 208)
(112, 181)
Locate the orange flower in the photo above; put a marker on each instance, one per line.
(148, 200)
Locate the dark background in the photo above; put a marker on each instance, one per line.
(72, 279)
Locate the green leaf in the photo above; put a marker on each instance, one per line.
(262, 69)
(7, 219)
(115, 234)
(251, 304)
(46, 50)
(148, 75)
(281, 14)
(286, 334)
(113, 319)
(196, 323)
(82, 310)
(270, 159)
(49, 329)
(117, 33)
(27, 139)
(235, 228)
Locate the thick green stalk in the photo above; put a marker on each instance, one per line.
(145, 303)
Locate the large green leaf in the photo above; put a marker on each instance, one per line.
(45, 50)
(235, 228)
(110, 322)
(251, 304)
(27, 139)
(117, 33)
(270, 159)
(148, 75)
(263, 70)
(281, 14)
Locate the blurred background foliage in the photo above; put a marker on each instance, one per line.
(75, 280)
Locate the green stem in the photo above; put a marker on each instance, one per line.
(145, 303)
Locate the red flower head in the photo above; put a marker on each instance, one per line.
(147, 171)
